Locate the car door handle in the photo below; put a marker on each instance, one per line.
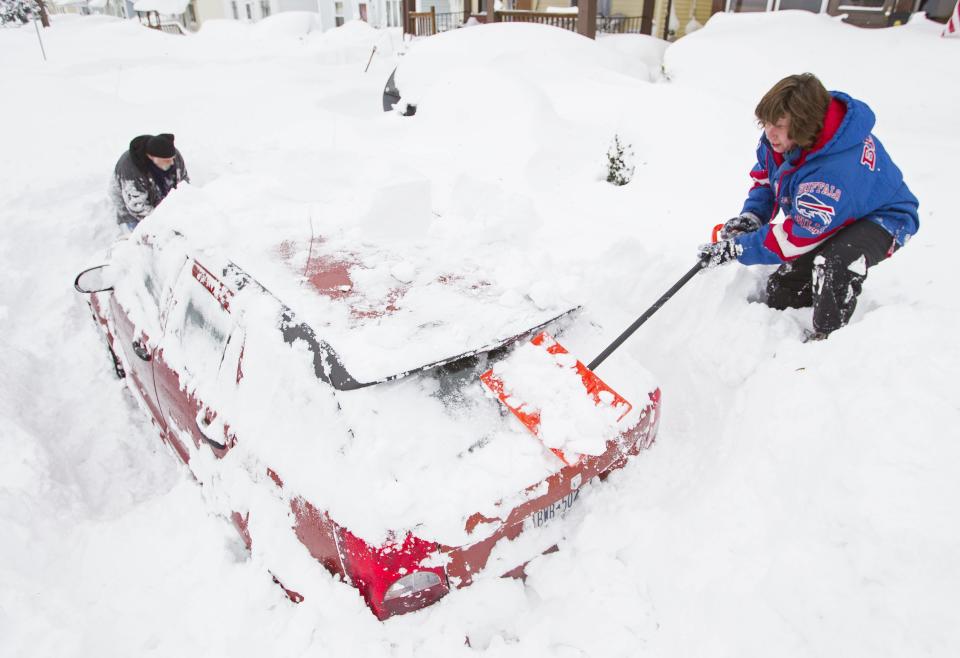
(141, 350)
(206, 428)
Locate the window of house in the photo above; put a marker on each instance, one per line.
(809, 5)
(363, 12)
(748, 5)
(264, 8)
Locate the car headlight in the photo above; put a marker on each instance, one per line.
(411, 584)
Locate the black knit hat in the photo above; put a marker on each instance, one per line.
(161, 146)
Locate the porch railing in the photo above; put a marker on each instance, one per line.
(427, 23)
(449, 21)
(565, 21)
(152, 20)
(423, 23)
(172, 28)
(620, 24)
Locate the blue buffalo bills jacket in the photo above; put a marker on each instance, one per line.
(845, 177)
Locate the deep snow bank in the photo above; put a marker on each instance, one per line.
(799, 500)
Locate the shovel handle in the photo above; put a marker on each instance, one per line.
(646, 315)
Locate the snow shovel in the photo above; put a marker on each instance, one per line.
(547, 404)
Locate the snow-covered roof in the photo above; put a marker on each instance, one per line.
(97, 4)
(168, 7)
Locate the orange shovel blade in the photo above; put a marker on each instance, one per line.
(595, 388)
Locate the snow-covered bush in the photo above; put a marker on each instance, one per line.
(18, 11)
(619, 162)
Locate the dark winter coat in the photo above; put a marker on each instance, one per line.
(846, 176)
(139, 185)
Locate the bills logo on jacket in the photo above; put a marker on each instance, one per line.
(813, 214)
(869, 155)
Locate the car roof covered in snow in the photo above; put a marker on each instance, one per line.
(384, 310)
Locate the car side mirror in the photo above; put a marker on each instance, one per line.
(391, 96)
(95, 279)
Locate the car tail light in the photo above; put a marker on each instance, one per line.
(411, 584)
(390, 576)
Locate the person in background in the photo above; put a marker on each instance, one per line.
(845, 204)
(144, 175)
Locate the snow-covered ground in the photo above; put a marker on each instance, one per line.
(801, 499)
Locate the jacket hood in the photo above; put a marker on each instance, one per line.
(855, 125)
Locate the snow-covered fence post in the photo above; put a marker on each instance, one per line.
(952, 28)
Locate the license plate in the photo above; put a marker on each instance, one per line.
(543, 516)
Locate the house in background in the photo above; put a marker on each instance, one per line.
(69, 7)
(255, 10)
(675, 18)
(378, 13)
(167, 15)
(199, 11)
(865, 13)
(666, 19)
(108, 8)
(332, 13)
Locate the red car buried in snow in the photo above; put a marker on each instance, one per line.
(345, 428)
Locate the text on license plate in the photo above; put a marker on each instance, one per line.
(553, 511)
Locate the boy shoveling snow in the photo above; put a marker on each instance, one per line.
(845, 204)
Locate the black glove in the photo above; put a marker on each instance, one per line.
(719, 253)
(745, 223)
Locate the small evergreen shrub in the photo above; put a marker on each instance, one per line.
(619, 162)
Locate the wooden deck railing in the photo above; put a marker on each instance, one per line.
(428, 23)
(565, 21)
(423, 23)
(152, 20)
(449, 21)
(620, 24)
